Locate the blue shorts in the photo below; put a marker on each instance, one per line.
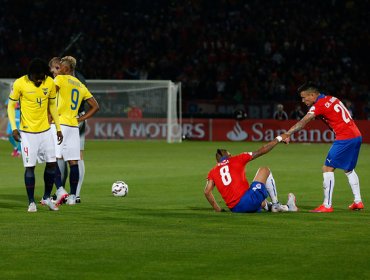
(343, 154)
(252, 199)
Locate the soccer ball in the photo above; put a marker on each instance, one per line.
(119, 188)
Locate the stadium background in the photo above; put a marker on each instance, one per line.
(224, 53)
(227, 54)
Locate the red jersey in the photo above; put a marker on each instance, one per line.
(135, 113)
(332, 111)
(229, 178)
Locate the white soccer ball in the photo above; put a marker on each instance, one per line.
(119, 188)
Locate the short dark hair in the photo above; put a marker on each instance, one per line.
(38, 66)
(309, 86)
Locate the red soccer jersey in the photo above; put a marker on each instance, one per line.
(229, 177)
(335, 114)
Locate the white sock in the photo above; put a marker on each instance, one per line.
(271, 188)
(81, 169)
(355, 185)
(328, 185)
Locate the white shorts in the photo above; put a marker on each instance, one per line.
(69, 149)
(37, 147)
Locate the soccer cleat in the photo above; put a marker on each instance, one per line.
(322, 209)
(268, 206)
(356, 206)
(291, 203)
(61, 196)
(32, 207)
(277, 207)
(53, 198)
(16, 153)
(50, 204)
(78, 199)
(71, 200)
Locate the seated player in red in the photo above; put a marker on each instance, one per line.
(240, 197)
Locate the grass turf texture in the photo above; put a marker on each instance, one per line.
(165, 228)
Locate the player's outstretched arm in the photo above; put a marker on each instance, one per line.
(209, 195)
(269, 146)
(299, 125)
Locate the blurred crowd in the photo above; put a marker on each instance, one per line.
(224, 50)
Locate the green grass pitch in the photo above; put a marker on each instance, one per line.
(165, 228)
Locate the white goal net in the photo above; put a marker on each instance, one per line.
(5, 87)
(143, 103)
(129, 109)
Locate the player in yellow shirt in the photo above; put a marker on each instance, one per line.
(71, 92)
(36, 93)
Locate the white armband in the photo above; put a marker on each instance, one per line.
(279, 138)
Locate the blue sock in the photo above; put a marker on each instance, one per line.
(29, 180)
(73, 178)
(58, 177)
(63, 169)
(49, 176)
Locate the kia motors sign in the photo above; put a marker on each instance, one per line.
(213, 130)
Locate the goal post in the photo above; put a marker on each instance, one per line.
(155, 100)
(139, 103)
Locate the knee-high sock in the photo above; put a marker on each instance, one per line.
(63, 171)
(354, 182)
(328, 185)
(29, 180)
(81, 169)
(73, 178)
(58, 177)
(49, 177)
(271, 188)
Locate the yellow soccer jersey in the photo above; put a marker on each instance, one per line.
(34, 103)
(70, 95)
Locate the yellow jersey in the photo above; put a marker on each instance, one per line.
(70, 95)
(34, 103)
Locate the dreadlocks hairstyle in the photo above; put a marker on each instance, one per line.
(220, 153)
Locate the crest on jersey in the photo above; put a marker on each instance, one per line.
(45, 90)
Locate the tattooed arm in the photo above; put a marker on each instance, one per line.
(298, 126)
(269, 146)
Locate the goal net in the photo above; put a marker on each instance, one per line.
(146, 105)
(5, 87)
(144, 108)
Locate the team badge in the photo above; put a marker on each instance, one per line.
(45, 90)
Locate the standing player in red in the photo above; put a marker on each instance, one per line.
(229, 178)
(343, 154)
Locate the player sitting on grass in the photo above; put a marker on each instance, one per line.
(229, 178)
